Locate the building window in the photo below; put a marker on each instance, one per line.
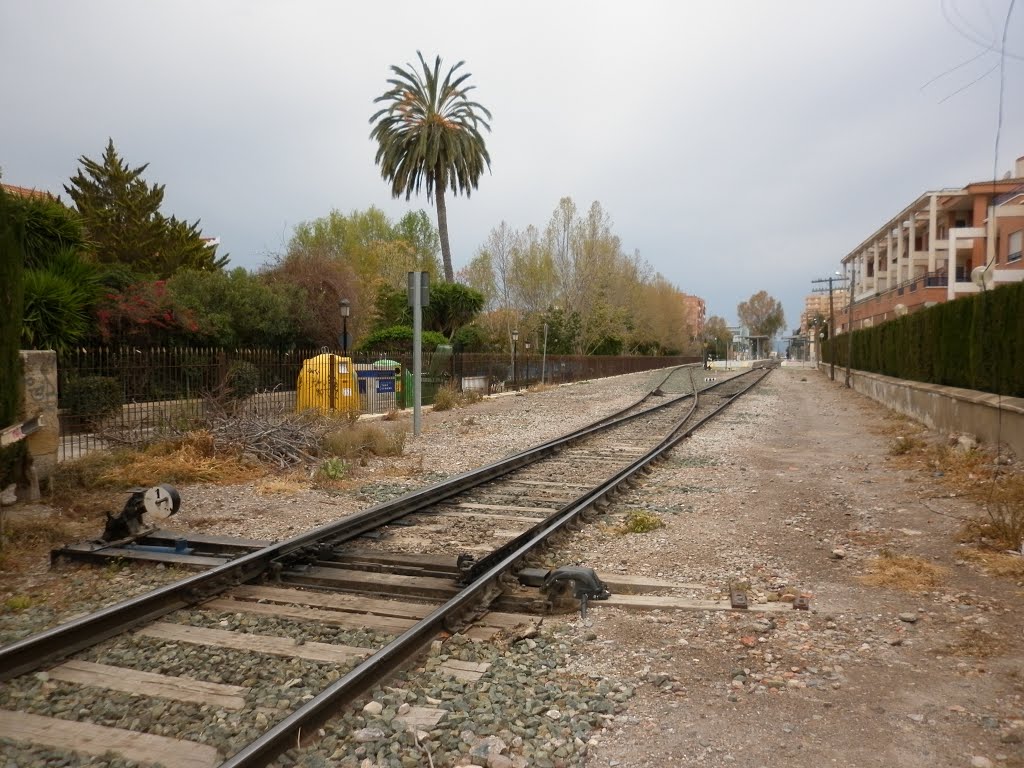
(1015, 241)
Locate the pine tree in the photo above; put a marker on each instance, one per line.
(121, 212)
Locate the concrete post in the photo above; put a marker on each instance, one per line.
(40, 397)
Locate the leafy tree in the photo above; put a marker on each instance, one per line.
(470, 338)
(717, 336)
(376, 249)
(452, 305)
(415, 229)
(316, 281)
(429, 136)
(479, 275)
(121, 213)
(762, 315)
(237, 308)
(144, 313)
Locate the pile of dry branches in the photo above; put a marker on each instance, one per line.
(284, 439)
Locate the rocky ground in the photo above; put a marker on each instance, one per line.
(793, 491)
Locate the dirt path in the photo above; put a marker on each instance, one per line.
(870, 676)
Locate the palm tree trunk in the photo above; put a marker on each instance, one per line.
(442, 231)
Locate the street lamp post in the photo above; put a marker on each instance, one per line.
(346, 309)
(544, 355)
(515, 344)
(526, 378)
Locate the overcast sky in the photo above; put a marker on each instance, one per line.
(738, 146)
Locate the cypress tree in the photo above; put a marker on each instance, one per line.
(11, 296)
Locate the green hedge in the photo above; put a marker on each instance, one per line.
(11, 299)
(976, 342)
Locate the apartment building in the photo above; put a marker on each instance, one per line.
(946, 244)
(694, 313)
(816, 305)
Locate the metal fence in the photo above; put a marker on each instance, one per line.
(109, 396)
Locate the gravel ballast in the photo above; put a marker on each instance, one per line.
(766, 496)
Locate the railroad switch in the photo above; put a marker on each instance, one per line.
(583, 582)
(143, 508)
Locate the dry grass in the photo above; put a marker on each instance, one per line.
(973, 641)
(996, 563)
(358, 440)
(905, 572)
(280, 485)
(27, 538)
(448, 398)
(901, 445)
(192, 459)
(975, 474)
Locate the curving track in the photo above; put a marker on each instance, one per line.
(492, 519)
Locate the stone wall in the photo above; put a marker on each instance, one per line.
(40, 397)
(946, 409)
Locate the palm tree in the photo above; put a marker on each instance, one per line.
(429, 135)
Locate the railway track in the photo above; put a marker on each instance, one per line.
(387, 581)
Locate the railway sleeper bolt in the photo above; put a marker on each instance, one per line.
(738, 598)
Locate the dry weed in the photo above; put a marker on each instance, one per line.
(906, 572)
(445, 399)
(189, 460)
(903, 445)
(995, 563)
(280, 485)
(35, 532)
(25, 539)
(973, 641)
(358, 440)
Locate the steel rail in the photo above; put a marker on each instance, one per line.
(30, 653)
(353, 684)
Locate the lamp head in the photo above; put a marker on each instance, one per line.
(515, 336)
(346, 308)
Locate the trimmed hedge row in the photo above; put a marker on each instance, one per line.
(11, 299)
(975, 342)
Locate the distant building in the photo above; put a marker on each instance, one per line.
(816, 305)
(927, 253)
(11, 189)
(694, 313)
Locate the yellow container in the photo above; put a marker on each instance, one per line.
(327, 383)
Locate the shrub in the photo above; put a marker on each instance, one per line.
(243, 380)
(641, 521)
(17, 603)
(333, 468)
(93, 397)
(445, 399)
(358, 440)
(904, 444)
(398, 338)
